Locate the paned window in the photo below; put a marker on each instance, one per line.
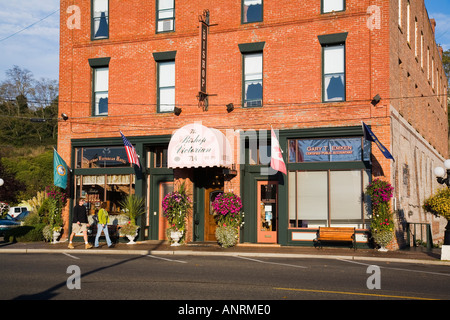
(328, 198)
(165, 16)
(332, 5)
(334, 73)
(100, 19)
(252, 11)
(101, 76)
(253, 80)
(166, 86)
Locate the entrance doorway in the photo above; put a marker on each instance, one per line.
(210, 221)
(267, 208)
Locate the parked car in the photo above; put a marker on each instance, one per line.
(7, 223)
(15, 211)
(22, 216)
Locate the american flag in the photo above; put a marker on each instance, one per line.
(131, 151)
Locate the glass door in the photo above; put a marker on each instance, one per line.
(267, 212)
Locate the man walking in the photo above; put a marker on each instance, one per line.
(80, 223)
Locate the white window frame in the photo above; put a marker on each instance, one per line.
(166, 86)
(165, 16)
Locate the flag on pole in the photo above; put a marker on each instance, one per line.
(276, 158)
(131, 151)
(370, 136)
(59, 170)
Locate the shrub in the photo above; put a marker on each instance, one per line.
(25, 234)
(439, 203)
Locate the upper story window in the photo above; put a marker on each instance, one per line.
(100, 19)
(166, 86)
(333, 5)
(101, 76)
(165, 16)
(333, 72)
(253, 79)
(252, 11)
(252, 73)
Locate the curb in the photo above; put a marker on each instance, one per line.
(229, 254)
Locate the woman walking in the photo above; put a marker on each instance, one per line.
(102, 225)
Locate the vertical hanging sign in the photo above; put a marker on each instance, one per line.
(204, 25)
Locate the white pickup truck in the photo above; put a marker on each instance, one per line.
(15, 211)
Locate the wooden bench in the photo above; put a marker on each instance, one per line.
(331, 234)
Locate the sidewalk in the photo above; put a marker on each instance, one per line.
(412, 255)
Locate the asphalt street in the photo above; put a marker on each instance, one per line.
(77, 276)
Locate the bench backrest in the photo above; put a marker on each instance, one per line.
(336, 232)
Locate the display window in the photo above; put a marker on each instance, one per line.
(109, 188)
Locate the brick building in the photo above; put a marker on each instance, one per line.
(229, 71)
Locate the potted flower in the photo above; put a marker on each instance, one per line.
(382, 225)
(227, 208)
(130, 231)
(175, 206)
(133, 207)
(50, 211)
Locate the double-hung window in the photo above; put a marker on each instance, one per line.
(333, 71)
(333, 5)
(166, 86)
(165, 66)
(252, 11)
(165, 16)
(100, 85)
(100, 19)
(253, 79)
(101, 76)
(252, 73)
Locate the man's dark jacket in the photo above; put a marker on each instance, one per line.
(79, 214)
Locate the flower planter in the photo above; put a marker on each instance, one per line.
(176, 236)
(56, 235)
(131, 238)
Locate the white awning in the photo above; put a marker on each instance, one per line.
(195, 145)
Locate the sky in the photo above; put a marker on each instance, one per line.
(29, 34)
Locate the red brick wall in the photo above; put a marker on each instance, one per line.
(292, 68)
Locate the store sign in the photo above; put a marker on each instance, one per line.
(101, 157)
(326, 150)
(203, 55)
(195, 145)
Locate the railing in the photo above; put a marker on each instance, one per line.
(413, 228)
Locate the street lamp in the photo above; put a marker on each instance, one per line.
(439, 172)
(1, 182)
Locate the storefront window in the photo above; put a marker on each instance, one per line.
(327, 198)
(109, 188)
(101, 157)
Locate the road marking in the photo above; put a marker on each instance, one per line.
(399, 269)
(354, 293)
(71, 256)
(155, 257)
(268, 262)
